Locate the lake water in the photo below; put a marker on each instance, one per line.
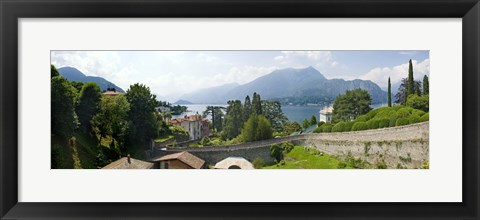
(293, 113)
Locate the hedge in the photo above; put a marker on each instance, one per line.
(359, 126)
(402, 121)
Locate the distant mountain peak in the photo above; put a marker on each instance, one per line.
(285, 83)
(73, 74)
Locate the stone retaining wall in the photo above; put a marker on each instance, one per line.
(402, 147)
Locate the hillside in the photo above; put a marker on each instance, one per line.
(73, 74)
(300, 86)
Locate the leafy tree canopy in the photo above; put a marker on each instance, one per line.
(351, 105)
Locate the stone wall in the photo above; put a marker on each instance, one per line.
(398, 147)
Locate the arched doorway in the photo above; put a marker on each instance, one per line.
(234, 167)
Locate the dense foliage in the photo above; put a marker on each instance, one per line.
(351, 105)
(378, 118)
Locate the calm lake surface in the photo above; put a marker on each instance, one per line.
(293, 113)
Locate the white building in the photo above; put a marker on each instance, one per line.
(196, 126)
(326, 114)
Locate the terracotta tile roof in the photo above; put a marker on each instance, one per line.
(122, 163)
(112, 93)
(185, 157)
(327, 110)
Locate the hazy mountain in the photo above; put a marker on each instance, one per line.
(213, 95)
(73, 74)
(288, 83)
(182, 102)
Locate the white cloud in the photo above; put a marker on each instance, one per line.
(206, 58)
(307, 58)
(380, 75)
(243, 74)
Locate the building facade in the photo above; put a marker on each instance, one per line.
(326, 114)
(196, 126)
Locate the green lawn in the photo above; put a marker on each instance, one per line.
(306, 158)
(163, 139)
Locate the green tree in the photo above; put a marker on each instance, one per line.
(402, 93)
(112, 119)
(425, 85)
(247, 108)
(233, 121)
(389, 93)
(418, 102)
(217, 116)
(256, 128)
(411, 86)
(272, 110)
(256, 104)
(305, 123)
(417, 90)
(64, 120)
(313, 120)
(351, 105)
(77, 85)
(290, 127)
(88, 104)
(142, 117)
(53, 71)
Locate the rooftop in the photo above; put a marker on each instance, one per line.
(327, 110)
(113, 93)
(185, 157)
(122, 163)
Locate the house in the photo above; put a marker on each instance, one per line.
(182, 160)
(112, 92)
(196, 126)
(129, 163)
(326, 114)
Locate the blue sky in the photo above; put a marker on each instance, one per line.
(170, 74)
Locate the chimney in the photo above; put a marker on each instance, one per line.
(128, 158)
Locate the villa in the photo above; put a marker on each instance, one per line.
(196, 126)
(326, 114)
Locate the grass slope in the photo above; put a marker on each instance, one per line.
(306, 158)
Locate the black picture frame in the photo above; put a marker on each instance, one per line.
(12, 10)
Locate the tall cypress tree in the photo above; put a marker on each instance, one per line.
(417, 89)
(389, 93)
(425, 85)
(411, 83)
(247, 108)
(256, 104)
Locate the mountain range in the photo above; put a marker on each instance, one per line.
(287, 84)
(73, 74)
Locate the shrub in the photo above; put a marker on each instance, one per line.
(258, 163)
(385, 112)
(317, 130)
(327, 127)
(402, 121)
(362, 118)
(417, 112)
(359, 126)
(287, 147)
(413, 119)
(320, 123)
(424, 118)
(403, 112)
(373, 123)
(384, 123)
(393, 121)
(348, 126)
(276, 152)
(339, 127)
(418, 102)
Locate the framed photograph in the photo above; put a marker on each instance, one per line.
(206, 109)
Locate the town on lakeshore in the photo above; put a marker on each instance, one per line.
(240, 110)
